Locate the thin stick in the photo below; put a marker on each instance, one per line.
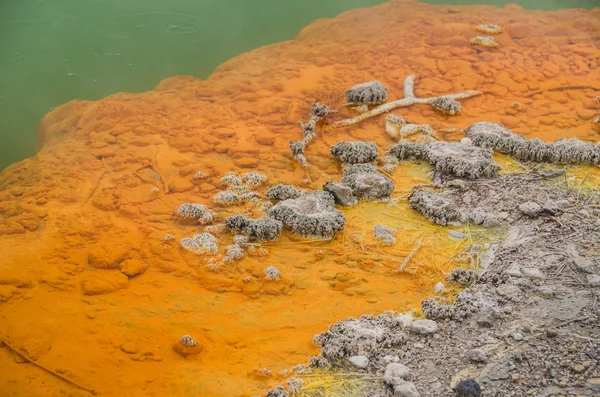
(409, 87)
(97, 182)
(563, 88)
(568, 187)
(154, 168)
(410, 99)
(409, 257)
(591, 197)
(136, 173)
(581, 184)
(40, 366)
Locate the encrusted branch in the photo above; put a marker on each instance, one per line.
(409, 87)
(408, 100)
(297, 148)
(43, 368)
(402, 267)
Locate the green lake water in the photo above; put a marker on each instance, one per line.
(52, 51)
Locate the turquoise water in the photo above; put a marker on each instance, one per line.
(53, 51)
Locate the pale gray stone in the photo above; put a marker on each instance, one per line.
(478, 356)
(395, 373)
(593, 280)
(359, 361)
(585, 265)
(532, 272)
(424, 327)
(514, 271)
(530, 209)
(439, 288)
(406, 389)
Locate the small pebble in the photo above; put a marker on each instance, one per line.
(439, 288)
(359, 361)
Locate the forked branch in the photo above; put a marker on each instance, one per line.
(446, 103)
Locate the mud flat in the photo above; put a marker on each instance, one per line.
(526, 323)
(174, 242)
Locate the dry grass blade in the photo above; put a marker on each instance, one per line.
(402, 267)
(581, 184)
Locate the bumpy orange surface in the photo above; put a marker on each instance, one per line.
(98, 198)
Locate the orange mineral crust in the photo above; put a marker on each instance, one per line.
(93, 291)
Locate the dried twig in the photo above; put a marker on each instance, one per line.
(409, 257)
(154, 167)
(581, 184)
(40, 366)
(98, 180)
(408, 100)
(297, 148)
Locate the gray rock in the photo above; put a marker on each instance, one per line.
(468, 388)
(478, 356)
(585, 265)
(532, 272)
(593, 280)
(514, 271)
(359, 361)
(530, 209)
(406, 389)
(517, 336)
(395, 373)
(487, 316)
(424, 327)
(491, 221)
(478, 215)
(439, 288)
(456, 235)
(391, 359)
(385, 234)
(341, 193)
(552, 207)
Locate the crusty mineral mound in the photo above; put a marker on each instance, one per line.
(562, 151)
(370, 93)
(458, 159)
(366, 183)
(262, 229)
(312, 215)
(435, 207)
(355, 152)
(284, 192)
